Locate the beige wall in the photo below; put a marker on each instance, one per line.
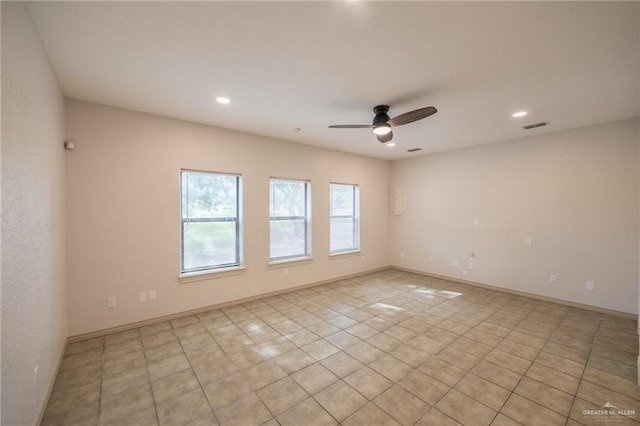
(575, 193)
(124, 215)
(33, 220)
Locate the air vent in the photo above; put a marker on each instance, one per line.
(533, 126)
(414, 149)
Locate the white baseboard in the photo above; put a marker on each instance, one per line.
(522, 293)
(130, 326)
(137, 324)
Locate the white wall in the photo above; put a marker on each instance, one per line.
(123, 183)
(575, 193)
(33, 220)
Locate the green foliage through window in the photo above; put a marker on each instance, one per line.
(210, 220)
(345, 220)
(289, 219)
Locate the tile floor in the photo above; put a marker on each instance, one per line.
(383, 349)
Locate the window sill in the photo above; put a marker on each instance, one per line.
(285, 263)
(190, 277)
(342, 254)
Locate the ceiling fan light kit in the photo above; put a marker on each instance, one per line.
(382, 123)
(381, 129)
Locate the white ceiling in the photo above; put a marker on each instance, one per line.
(308, 65)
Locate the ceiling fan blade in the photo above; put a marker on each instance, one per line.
(411, 116)
(351, 126)
(385, 138)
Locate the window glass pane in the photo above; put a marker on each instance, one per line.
(288, 198)
(342, 200)
(288, 238)
(342, 234)
(209, 244)
(344, 221)
(210, 221)
(289, 219)
(207, 195)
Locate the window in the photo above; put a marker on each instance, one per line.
(210, 221)
(289, 219)
(345, 222)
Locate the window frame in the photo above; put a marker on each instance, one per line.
(307, 222)
(355, 216)
(238, 264)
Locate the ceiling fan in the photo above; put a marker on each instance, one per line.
(382, 123)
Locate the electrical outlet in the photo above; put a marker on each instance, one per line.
(470, 265)
(553, 279)
(464, 273)
(143, 297)
(402, 255)
(112, 302)
(152, 295)
(286, 271)
(590, 285)
(430, 258)
(529, 241)
(476, 222)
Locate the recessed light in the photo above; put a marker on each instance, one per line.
(519, 114)
(222, 100)
(390, 144)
